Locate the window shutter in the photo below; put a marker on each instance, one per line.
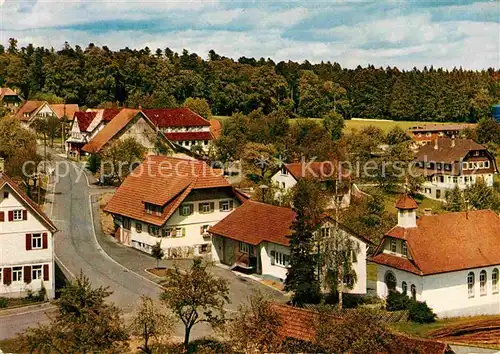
(231, 204)
(45, 272)
(7, 276)
(212, 206)
(28, 242)
(191, 209)
(201, 230)
(273, 256)
(2, 216)
(25, 214)
(45, 241)
(220, 206)
(183, 231)
(200, 207)
(27, 274)
(11, 215)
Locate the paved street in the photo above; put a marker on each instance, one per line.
(79, 249)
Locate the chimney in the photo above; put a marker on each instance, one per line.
(140, 107)
(2, 165)
(436, 143)
(453, 141)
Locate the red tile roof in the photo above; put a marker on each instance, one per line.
(446, 152)
(397, 262)
(5, 91)
(184, 136)
(255, 222)
(297, 323)
(28, 107)
(323, 170)
(109, 113)
(5, 180)
(215, 128)
(405, 202)
(175, 117)
(84, 119)
(301, 324)
(450, 242)
(164, 181)
(110, 130)
(65, 109)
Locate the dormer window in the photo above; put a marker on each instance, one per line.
(393, 246)
(404, 249)
(154, 209)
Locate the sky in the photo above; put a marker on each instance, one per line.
(402, 33)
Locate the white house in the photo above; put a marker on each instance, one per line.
(256, 238)
(26, 244)
(101, 118)
(78, 134)
(173, 201)
(451, 261)
(328, 173)
(449, 162)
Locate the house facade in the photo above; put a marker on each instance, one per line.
(129, 123)
(10, 100)
(427, 133)
(26, 244)
(33, 110)
(451, 261)
(172, 201)
(256, 238)
(327, 173)
(101, 118)
(78, 133)
(447, 163)
(182, 127)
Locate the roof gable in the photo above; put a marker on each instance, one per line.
(35, 209)
(28, 108)
(446, 152)
(164, 181)
(453, 241)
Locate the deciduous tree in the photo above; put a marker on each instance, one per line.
(195, 296)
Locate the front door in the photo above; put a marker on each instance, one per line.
(228, 251)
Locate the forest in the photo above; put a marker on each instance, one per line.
(99, 77)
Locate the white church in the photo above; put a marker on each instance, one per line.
(451, 261)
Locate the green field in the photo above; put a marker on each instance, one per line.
(358, 124)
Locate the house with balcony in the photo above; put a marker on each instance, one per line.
(26, 244)
(10, 100)
(78, 133)
(329, 174)
(451, 261)
(183, 127)
(172, 201)
(255, 238)
(424, 134)
(448, 162)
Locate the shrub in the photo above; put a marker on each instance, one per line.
(421, 313)
(397, 301)
(93, 163)
(3, 302)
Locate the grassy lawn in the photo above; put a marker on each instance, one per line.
(358, 124)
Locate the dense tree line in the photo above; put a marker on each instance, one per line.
(99, 76)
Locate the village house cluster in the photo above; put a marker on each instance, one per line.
(450, 260)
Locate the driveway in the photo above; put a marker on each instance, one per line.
(79, 247)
